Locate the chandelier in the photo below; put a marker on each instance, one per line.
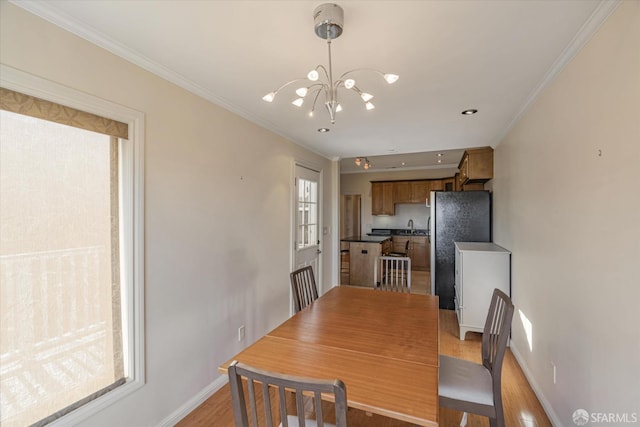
(328, 19)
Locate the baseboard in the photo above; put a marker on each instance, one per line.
(194, 402)
(548, 409)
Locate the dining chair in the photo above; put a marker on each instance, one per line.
(303, 285)
(391, 273)
(272, 389)
(471, 387)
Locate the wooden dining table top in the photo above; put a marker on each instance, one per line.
(382, 345)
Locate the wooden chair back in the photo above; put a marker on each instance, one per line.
(303, 286)
(392, 273)
(496, 334)
(270, 396)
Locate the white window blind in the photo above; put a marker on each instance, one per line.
(62, 323)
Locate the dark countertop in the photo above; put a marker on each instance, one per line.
(365, 239)
(397, 232)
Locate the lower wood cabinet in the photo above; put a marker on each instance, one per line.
(419, 250)
(419, 253)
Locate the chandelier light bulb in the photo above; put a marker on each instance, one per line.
(311, 113)
(269, 97)
(366, 97)
(391, 78)
(298, 102)
(302, 92)
(338, 108)
(369, 106)
(358, 161)
(349, 83)
(313, 75)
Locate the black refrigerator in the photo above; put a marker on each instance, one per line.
(461, 216)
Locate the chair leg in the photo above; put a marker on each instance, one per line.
(463, 421)
(498, 421)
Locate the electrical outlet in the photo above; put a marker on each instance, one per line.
(241, 333)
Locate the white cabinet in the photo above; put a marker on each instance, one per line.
(480, 268)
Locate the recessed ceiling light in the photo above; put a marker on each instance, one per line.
(469, 112)
(323, 130)
(403, 163)
(440, 154)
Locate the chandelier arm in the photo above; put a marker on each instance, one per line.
(275, 92)
(313, 106)
(361, 69)
(357, 90)
(321, 67)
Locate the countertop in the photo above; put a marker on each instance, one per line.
(398, 232)
(365, 239)
(480, 246)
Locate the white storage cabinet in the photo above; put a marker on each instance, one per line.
(480, 268)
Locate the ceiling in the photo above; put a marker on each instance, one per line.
(493, 56)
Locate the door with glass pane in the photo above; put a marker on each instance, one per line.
(307, 220)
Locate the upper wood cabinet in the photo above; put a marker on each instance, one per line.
(384, 194)
(382, 198)
(402, 192)
(420, 191)
(413, 191)
(448, 184)
(476, 166)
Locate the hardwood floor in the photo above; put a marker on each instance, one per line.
(521, 406)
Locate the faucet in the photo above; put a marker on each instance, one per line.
(410, 225)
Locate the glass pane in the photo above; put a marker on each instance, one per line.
(312, 215)
(299, 214)
(307, 213)
(313, 234)
(313, 190)
(57, 332)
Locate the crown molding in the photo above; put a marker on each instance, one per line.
(49, 13)
(604, 9)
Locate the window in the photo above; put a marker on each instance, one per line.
(70, 257)
(307, 221)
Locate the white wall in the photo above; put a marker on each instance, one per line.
(218, 208)
(571, 218)
(360, 183)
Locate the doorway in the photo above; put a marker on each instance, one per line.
(306, 207)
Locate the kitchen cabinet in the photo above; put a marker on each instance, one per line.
(480, 267)
(400, 242)
(448, 184)
(402, 192)
(382, 198)
(436, 185)
(420, 191)
(418, 250)
(476, 167)
(419, 253)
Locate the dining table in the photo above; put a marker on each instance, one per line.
(383, 345)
